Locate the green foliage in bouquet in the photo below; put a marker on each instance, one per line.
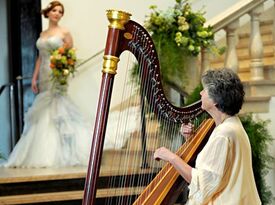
(62, 63)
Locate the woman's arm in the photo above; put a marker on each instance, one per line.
(35, 74)
(68, 39)
(184, 169)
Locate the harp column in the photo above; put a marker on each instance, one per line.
(117, 21)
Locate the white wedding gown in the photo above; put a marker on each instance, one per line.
(55, 133)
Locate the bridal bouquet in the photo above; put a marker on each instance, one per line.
(62, 63)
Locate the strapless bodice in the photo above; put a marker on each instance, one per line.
(45, 46)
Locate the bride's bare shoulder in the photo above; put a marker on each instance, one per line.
(43, 33)
(65, 30)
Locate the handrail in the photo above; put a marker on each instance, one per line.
(90, 58)
(13, 127)
(2, 88)
(233, 13)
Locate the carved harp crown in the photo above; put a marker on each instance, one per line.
(125, 34)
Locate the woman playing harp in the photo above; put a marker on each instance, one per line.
(223, 172)
(124, 34)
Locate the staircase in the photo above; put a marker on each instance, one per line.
(60, 186)
(258, 91)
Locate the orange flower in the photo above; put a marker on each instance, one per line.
(52, 66)
(70, 61)
(61, 50)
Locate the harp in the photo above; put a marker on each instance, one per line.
(125, 34)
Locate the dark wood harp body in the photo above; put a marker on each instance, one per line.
(124, 34)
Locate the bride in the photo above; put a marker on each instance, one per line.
(55, 133)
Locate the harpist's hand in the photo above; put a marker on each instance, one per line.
(164, 154)
(34, 86)
(187, 130)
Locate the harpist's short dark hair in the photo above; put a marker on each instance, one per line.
(225, 89)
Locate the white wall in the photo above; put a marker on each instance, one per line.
(88, 22)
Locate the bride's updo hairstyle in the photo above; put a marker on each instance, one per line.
(50, 6)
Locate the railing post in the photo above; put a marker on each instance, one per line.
(12, 116)
(256, 45)
(20, 103)
(273, 30)
(231, 58)
(205, 62)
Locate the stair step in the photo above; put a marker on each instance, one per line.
(243, 53)
(260, 88)
(264, 32)
(42, 197)
(61, 186)
(19, 175)
(244, 65)
(256, 105)
(69, 195)
(264, 27)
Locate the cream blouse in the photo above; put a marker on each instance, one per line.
(223, 173)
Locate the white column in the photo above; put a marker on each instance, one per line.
(205, 62)
(273, 31)
(256, 46)
(231, 58)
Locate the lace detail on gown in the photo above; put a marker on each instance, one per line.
(55, 133)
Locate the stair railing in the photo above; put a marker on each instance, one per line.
(229, 21)
(13, 127)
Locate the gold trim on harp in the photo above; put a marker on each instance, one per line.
(110, 64)
(118, 19)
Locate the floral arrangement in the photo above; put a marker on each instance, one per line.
(181, 25)
(62, 63)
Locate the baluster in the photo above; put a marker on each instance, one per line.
(231, 58)
(273, 30)
(205, 62)
(256, 46)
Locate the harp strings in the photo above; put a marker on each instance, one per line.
(162, 136)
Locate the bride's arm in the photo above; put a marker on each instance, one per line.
(35, 74)
(68, 39)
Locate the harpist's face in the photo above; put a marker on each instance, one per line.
(207, 102)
